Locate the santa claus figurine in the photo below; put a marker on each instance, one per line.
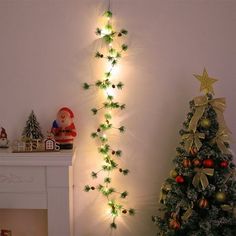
(63, 128)
(3, 138)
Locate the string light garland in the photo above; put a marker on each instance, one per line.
(110, 156)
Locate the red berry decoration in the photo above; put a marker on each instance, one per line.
(179, 179)
(203, 203)
(197, 162)
(187, 163)
(174, 224)
(124, 211)
(208, 163)
(224, 164)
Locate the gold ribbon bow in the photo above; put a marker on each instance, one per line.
(229, 208)
(192, 138)
(201, 103)
(201, 177)
(221, 138)
(188, 212)
(164, 190)
(229, 175)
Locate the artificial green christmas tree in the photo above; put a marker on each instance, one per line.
(199, 197)
(32, 128)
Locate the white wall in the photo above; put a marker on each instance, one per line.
(46, 50)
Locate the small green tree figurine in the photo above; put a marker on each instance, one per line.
(199, 197)
(32, 129)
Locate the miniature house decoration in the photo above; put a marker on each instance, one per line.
(50, 143)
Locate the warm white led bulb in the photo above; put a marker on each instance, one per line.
(110, 92)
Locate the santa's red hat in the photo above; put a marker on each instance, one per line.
(67, 110)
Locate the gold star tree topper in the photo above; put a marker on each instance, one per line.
(206, 82)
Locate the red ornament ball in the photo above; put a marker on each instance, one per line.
(179, 179)
(174, 224)
(193, 151)
(203, 203)
(208, 163)
(224, 164)
(187, 163)
(197, 162)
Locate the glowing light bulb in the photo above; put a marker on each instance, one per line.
(114, 69)
(110, 92)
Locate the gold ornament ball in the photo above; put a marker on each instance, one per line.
(205, 123)
(220, 197)
(173, 173)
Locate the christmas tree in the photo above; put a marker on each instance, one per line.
(199, 197)
(32, 129)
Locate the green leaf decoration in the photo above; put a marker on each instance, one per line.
(108, 14)
(122, 129)
(131, 212)
(86, 188)
(124, 47)
(98, 55)
(125, 172)
(124, 31)
(98, 31)
(94, 111)
(113, 225)
(86, 86)
(107, 180)
(124, 194)
(94, 175)
(120, 85)
(118, 153)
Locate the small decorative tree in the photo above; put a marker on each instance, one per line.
(199, 197)
(32, 129)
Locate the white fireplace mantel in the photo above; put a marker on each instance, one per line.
(39, 180)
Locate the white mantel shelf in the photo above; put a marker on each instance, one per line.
(61, 158)
(39, 180)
